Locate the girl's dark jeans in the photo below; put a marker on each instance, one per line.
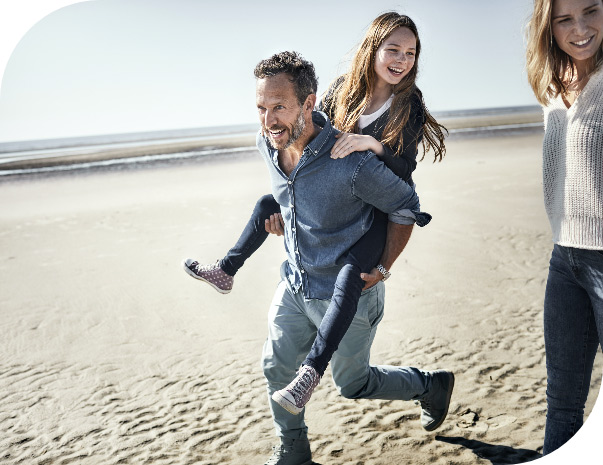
(253, 235)
(362, 258)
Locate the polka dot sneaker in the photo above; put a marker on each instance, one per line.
(211, 274)
(296, 395)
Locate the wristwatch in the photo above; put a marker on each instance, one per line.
(386, 274)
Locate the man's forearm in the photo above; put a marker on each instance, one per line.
(398, 236)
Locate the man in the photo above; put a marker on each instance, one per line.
(326, 206)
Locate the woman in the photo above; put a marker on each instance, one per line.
(379, 108)
(564, 61)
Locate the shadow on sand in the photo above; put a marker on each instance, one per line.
(498, 455)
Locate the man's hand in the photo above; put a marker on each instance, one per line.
(275, 224)
(371, 278)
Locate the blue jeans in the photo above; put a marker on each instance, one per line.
(362, 257)
(292, 325)
(573, 331)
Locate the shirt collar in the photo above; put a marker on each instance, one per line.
(316, 145)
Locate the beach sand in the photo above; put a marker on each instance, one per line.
(111, 354)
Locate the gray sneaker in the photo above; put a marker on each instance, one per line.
(211, 274)
(296, 395)
(434, 405)
(291, 452)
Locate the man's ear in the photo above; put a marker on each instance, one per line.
(310, 102)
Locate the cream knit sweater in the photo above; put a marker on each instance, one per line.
(573, 167)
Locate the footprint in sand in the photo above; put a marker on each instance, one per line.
(471, 421)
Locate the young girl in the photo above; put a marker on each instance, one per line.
(378, 107)
(565, 70)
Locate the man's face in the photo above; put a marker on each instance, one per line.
(281, 115)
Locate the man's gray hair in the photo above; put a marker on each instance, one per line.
(301, 71)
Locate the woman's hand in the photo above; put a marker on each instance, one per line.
(275, 224)
(349, 142)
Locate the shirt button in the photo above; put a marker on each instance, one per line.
(302, 271)
(290, 182)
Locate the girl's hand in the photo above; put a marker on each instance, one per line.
(349, 142)
(275, 224)
(372, 278)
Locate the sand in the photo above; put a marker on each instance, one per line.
(111, 354)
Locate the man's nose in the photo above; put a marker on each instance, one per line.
(269, 119)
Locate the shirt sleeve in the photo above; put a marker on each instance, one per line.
(377, 185)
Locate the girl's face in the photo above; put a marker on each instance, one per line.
(395, 57)
(578, 27)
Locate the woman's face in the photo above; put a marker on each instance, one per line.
(395, 57)
(578, 27)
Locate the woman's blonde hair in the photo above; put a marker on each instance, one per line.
(548, 66)
(352, 95)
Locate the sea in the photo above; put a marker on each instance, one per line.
(132, 150)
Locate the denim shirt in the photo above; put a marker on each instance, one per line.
(327, 205)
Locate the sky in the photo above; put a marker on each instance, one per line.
(75, 68)
(116, 66)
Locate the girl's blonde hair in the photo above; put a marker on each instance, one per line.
(547, 65)
(352, 95)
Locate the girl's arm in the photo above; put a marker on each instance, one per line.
(405, 163)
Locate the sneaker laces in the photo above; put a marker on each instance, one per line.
(207, 268)
(308, 380)
(278, 452)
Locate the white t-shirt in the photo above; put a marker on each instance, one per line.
(365, 120)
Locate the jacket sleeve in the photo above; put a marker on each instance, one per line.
(405, 163)
(326, 102)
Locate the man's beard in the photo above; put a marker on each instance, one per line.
(296, 130)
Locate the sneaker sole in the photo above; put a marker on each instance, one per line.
(438, 424)
(286, 404)
(193, 275)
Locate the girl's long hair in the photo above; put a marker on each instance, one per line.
(549, 68)
(352, 95)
